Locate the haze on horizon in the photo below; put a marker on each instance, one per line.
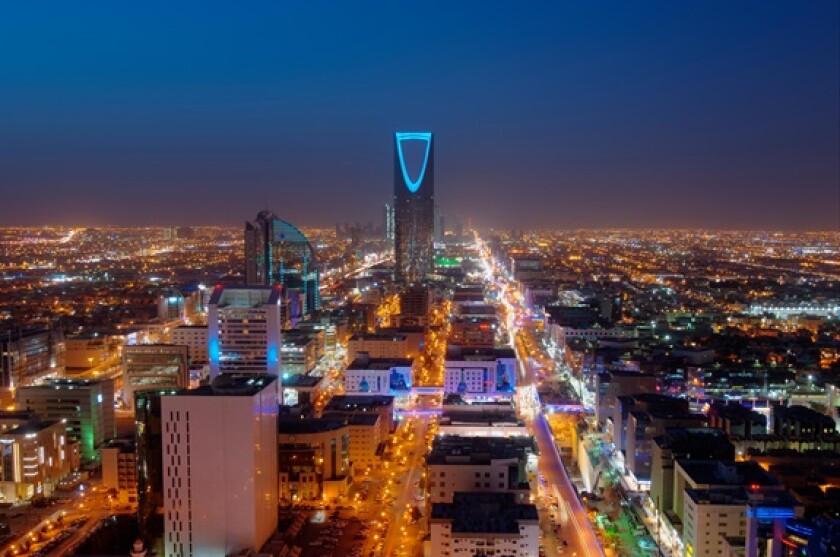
(566, 115)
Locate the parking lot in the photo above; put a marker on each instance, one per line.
(330, 533)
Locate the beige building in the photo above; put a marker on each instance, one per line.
(34, 458)
(194, 337)
(119, 469)
(377, 346)
(314, 458)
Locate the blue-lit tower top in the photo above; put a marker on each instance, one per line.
(414, 205)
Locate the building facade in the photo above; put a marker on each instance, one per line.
(243, 330)
(214, 506)
(154, 366)
(34, 457)
(194, 337)
(277, 252)
(86, 407)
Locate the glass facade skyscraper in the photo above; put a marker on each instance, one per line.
(277, 252)
(414, 205)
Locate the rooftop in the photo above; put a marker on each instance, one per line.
(229, 384)
(365, 363)
(490, 513)
(298, 380)
(456, 449)
(345, 403)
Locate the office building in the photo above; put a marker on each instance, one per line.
(314, 458)
(85, 407)
(388, 225)
(149, 455)
(215, 506)
(152, 367)
(298, 355)
(484, 524)
(34, 457)
(28, 355)
(277, 252)
(171, 306)
(194, 337)
(243, 330)
(414, 205)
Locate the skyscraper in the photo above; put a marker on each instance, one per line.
(277, 252)
(389, 225)
(243, 330)
(220, 466)
(414, 205)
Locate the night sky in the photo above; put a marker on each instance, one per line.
(583, 114)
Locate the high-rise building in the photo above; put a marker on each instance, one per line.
(277, 252)
(149, 443)
(388, 227)
(243, 330)
(414, 206)
(215, 506)
(85, 406)
(154, 366)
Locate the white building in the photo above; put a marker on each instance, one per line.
(479, 464)
(479, 373)
(379, 376)
(220, 466)
(194, 337)
(244, 330)
(484, 524)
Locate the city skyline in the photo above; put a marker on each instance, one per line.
(718, 116)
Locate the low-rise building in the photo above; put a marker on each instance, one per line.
(313, 458)
(351, 405)
(34, 457)
(380, 376)
(119, 469)
(479, 373)
(484, 524)
(377, 346)
(479, 464)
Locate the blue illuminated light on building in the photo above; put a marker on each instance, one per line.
(214, 351)
(413, 185)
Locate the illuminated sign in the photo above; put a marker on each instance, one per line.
(413, 185)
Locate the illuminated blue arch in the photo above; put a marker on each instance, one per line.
(413, 185)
